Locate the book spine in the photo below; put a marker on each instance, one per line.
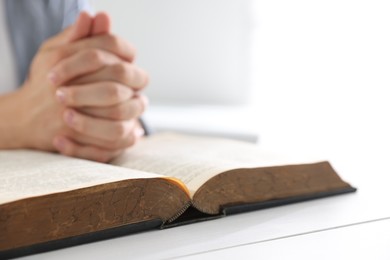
(179, 213)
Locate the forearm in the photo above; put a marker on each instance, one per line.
(12, 122)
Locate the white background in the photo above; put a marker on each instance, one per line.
(196, 51)
(323, 73)
(320, 69)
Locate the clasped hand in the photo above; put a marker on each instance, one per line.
(82, 95)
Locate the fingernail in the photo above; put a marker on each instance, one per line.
(69, 117)
(59, 143)
(61, 96)
(52, 77)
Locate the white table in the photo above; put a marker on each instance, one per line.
(358, 241)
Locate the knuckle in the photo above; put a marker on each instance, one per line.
(119, 112)
(132, 74)
(142, 104)
(140, 78)
(55, 56)
(61, 53)
(119, 71)
(119, 130)
(63, 70)
(93, 56)
(114, 92)
(115, 113)
(112, 41)
(117, 44)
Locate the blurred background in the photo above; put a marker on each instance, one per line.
(308, 76)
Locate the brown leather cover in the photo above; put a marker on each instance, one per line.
(191, 215)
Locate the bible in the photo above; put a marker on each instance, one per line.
(50, 201)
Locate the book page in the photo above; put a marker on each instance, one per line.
(25, 174)
(194, 160)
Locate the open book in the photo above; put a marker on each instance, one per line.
(49, 201)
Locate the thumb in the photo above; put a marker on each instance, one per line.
(80, 29)
(101, 24)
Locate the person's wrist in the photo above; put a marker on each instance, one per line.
(13, 121)
(23, 130)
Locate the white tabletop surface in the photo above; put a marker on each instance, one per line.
(363, 241)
